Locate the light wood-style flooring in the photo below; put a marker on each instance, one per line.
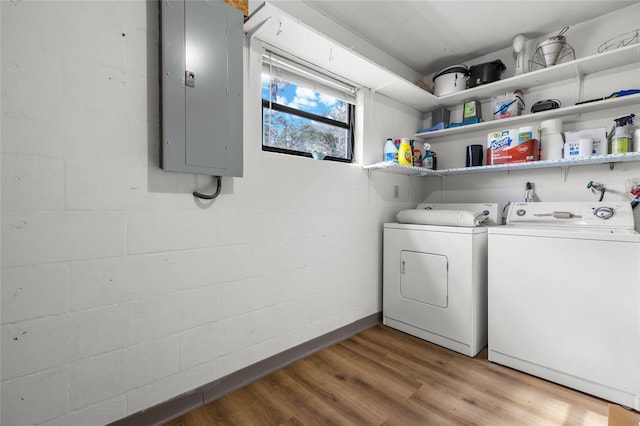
(384, 377)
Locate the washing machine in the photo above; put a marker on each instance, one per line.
(435, 277)
(564, 296)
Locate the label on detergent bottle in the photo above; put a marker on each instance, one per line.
(405, 154)
(619, 145)
(408, 157)
(427, 162)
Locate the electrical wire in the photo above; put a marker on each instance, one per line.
(212, 196)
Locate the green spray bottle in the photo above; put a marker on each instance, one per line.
(621, 137)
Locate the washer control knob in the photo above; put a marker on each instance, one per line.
(521, 212)
(604, 212)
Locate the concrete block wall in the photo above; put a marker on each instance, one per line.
(119, 289)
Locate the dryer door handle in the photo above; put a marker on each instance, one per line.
(402, 267)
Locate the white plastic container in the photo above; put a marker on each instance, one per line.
(636, 140)
(578, 149)
(390, 151)
(600, 147)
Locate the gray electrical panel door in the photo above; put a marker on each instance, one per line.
(202, 87)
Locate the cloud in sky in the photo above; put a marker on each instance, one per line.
(302, 98)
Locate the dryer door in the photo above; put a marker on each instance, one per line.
(423, 278)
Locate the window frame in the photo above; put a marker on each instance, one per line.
(311, 74)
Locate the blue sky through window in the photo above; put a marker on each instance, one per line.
(303, 98)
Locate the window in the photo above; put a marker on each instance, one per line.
(304, 111)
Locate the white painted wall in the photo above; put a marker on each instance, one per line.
(119, 290)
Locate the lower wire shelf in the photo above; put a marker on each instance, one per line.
(395, 168)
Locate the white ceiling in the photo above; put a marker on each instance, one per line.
(429, 35)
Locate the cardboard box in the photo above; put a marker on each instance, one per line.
(599, 136)
(503, 148)
(243, 5)
(620, 416)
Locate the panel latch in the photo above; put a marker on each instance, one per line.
(190, 78)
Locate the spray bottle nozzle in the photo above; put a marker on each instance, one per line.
(623, 121)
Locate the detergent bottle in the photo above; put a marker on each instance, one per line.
(390, 151)
(621, 137)
(405, 153)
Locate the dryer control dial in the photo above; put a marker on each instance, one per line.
(604, 212)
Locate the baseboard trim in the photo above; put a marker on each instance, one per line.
(189, 401)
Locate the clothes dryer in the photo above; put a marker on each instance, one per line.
(435, 277)
(564, 296)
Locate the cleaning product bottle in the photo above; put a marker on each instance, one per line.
(417, 157)
(405, 153)
(620, 139)
(427, 159)
(390, 151)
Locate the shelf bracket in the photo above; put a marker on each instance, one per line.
(249, 35)
(564, 170)
(611, 166)
(253, 32)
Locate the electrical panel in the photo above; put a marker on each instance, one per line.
(202, 87)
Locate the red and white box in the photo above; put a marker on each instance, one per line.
(503, 148)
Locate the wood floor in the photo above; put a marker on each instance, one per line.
(384, 377)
